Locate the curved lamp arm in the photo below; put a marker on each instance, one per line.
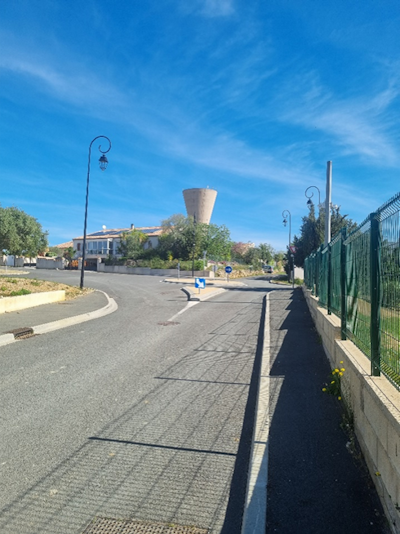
(311, 194)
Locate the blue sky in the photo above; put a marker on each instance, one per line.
(249, 98)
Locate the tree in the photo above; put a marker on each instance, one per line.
(240, 249)
(266, 252)
(21, 234)
(54, 252)
(183, 238)
(253, 256)
(69, 254)
(312, 232)
(131, 245)
(216, 241)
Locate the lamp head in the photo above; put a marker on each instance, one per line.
(103, 161)
(284, 222)
(309, 203)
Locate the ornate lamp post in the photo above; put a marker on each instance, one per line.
(194, 242)
(287, 215)
(310, 195)
(103, 161)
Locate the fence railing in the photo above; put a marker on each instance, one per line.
(357, 278)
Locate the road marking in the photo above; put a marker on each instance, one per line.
(254, 517)
(190, 304)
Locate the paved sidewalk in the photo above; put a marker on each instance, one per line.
(314, 484)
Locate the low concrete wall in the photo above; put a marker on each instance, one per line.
(123, 269)
(375, 405)
(49, 263)
(10, 304)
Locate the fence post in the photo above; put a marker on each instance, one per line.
(317, 269)
(375, 266)
(343, 300)
(329, 281)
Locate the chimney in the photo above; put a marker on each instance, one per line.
(132, 226)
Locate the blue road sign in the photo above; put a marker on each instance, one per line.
(200, 283)
(228, 269)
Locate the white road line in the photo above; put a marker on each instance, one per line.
(190, 304)
(254, 517)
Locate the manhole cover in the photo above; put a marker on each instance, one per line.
(116, 526)
(168, 323)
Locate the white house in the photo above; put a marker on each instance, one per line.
(106, 242)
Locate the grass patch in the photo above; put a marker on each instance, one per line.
(13, 287)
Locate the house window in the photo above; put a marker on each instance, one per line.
(78, 247)
(97, 247)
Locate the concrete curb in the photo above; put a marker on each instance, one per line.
(254, 516)
(110, 307)
(199, 297)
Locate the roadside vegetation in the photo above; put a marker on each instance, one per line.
(21, 234)
(196, 245)
(11, 287)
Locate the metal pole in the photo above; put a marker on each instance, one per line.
(329, 283)
(328, 202)
(375, 267)
(194, 242)
(343, 300)
(286, 213)
(86, 204)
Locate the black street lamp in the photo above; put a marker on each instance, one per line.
(309, 196)
(287, 215)
(194, 242)
(103, 162)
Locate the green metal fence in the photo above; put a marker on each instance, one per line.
(357, 277)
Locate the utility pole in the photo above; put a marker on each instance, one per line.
(328, 202)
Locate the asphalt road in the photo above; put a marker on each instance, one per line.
(130, 416)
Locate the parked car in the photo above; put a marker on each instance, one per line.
(268, 269)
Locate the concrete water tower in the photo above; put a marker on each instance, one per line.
(200, 203)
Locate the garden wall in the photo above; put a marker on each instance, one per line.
(49, 263)
(123, 269)
(375, 405)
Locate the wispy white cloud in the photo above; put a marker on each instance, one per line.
(359, 126)
(171, 125)
(216, 8)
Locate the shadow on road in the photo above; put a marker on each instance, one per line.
(179, 454)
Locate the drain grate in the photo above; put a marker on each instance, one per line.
(168, 323)
(117, 526)
(21, 333)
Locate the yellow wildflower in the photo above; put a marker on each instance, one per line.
(341, 361)
(323, 389)
(343, 369)
(332, 382)
(378, 474)
(340, 374)
(339, 398)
